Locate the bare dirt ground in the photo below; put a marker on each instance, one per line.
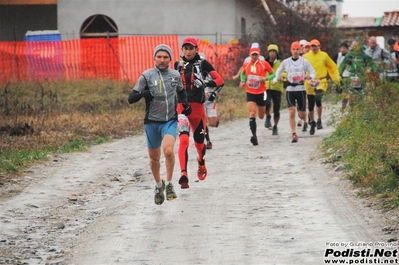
(276, 203)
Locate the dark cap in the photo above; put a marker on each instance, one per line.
(344, 44)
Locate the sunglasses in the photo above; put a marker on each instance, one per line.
(188, 48)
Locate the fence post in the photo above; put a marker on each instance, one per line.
(6, 109)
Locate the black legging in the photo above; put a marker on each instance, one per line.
(274, 95)
(315, 100)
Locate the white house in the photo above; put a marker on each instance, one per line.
(216, 20)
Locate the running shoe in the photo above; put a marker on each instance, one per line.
(305, 127)
(254, 140)
(183, 181)
(208, 145)
(319, 124)
(202, 172)
(312, 127)
(294, 138)
(268, 123)
(170, 192)
(299, 124)
(275, 130)
(344, 103)
(159, 196)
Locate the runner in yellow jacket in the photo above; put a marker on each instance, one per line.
(324, 67)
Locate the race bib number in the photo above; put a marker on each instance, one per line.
(183, 123)
(253, 81)
(298, 79)
(355, 82)
(297, 75)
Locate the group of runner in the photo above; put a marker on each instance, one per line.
(304, 77)
(179, 101)
(362, 63)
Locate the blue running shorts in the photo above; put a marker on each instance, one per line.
(155, 131)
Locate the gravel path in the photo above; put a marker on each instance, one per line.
(275, 203)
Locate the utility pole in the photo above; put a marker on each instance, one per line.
(267, 9)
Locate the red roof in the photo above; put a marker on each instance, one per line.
(390, 19)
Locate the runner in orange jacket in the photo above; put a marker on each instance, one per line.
(253, 78)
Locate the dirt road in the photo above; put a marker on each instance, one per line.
(276, 203)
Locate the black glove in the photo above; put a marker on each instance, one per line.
(198, 83)
(147, 95)
(212, 96)
(338, 88)
(187, 109)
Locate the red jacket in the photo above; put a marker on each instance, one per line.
(253, 72)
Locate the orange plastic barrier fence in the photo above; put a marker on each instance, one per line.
(123, 58)
(137, 54)
(225, 58)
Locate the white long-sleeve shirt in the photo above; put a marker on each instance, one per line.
(296, 73)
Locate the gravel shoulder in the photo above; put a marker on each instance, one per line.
(275, 203)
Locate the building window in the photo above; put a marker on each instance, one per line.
(333, 9)
(98, 26)
(243, 26)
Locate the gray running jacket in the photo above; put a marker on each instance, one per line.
(165, 86)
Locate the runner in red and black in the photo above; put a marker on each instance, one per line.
(194, 70)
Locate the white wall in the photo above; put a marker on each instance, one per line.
(200, 18)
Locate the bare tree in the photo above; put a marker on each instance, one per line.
(282, 25)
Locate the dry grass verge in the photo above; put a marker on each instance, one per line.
(41, 119)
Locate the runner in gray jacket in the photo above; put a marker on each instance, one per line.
(160, 86)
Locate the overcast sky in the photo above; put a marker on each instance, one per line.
(369, 8)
